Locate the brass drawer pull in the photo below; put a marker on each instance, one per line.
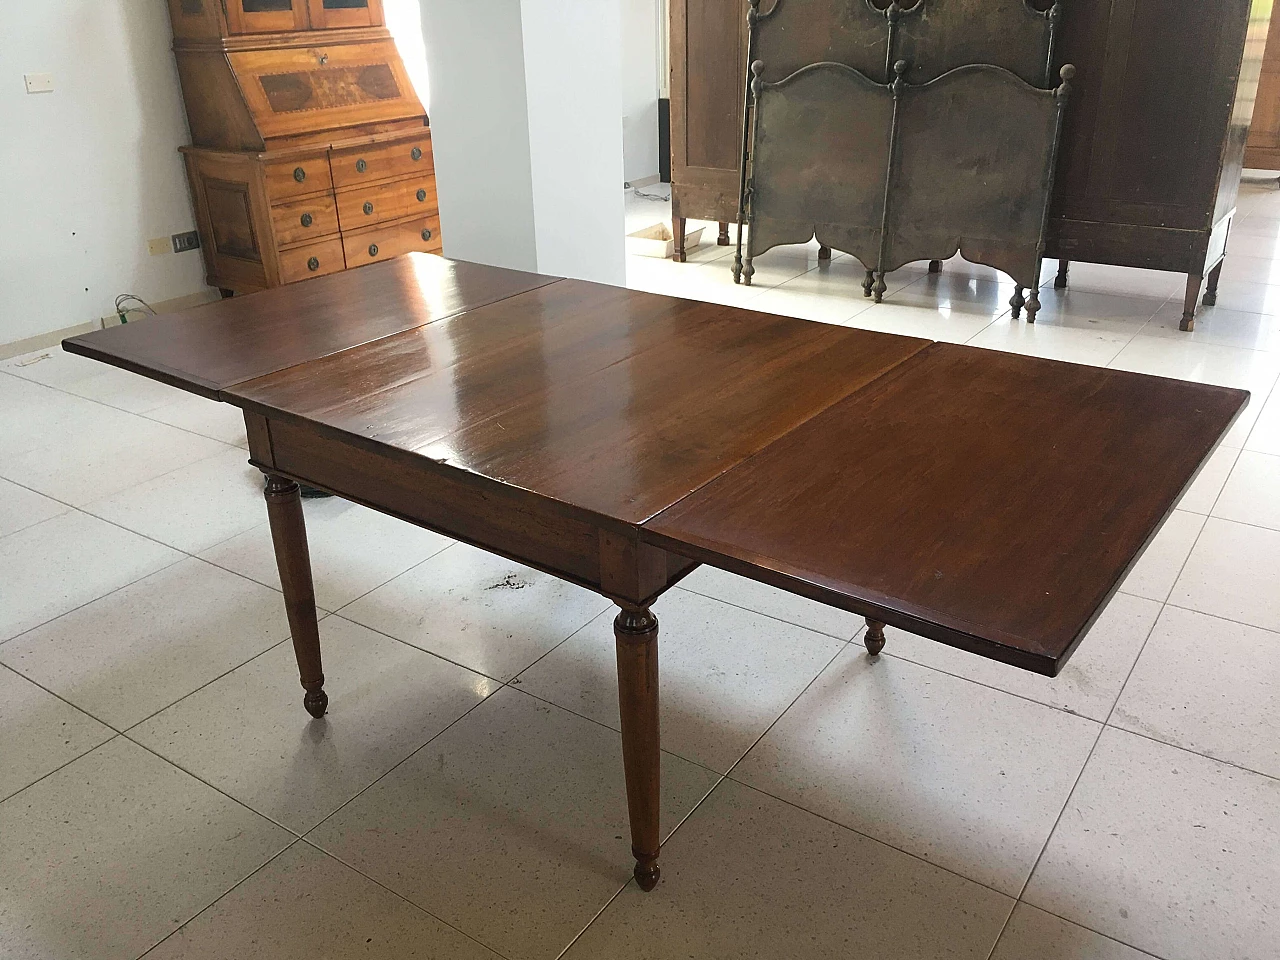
(422, 196)
(306, 220)
(373, 249)
(415, 153)
(368, 208)
(361, 166)
(299, 174)
(426, 234)
(313, 264)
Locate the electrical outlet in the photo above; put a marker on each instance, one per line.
(182, 242)
(39, 82)
(159, 246)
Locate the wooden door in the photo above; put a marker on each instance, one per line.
(1263, 149)
(708, 82)
(334, 14)
(266, 16)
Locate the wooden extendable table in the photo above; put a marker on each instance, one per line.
(617, 439)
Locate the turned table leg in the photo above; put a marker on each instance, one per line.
(722, 238)
(289, 534)
(1060, 281)
(636, 632)
(874, 637)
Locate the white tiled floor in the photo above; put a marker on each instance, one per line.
(160, 784)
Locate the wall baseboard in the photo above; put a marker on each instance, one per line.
(643, 181)
(16, 348)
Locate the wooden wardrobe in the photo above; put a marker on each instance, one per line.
(310, 150)
(1262, 152)
(1152, 147)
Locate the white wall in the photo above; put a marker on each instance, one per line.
(640, 85)
(90, 171)
(480, 130)
(526, 115)
(573, 81)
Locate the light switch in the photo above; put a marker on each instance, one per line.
(39, 82)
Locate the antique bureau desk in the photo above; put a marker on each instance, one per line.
(311, 151)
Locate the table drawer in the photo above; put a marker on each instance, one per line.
(303, 220)
(364, 206)
(356, 166)
(296, 178)
(312, 260)
(391, 240)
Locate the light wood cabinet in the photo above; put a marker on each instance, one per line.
(309, 144)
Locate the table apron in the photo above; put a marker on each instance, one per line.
(607, 558)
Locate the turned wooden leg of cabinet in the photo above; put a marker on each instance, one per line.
(289, 534)
(1194, 281)
(1060, 281)
(824, 252)
(1211, 291)
(635, 630)
(226, 292)
(1017, 302)
(935, 266)
(677, 233)
(722, 238)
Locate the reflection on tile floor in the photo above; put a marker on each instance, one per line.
(464, 796)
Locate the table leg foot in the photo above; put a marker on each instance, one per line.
(824, 252)
(868, 282)
(647, 874)
(289, 535)
(935, 266)
(874, 637)
(635, 631)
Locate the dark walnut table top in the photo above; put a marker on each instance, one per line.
(988, 500)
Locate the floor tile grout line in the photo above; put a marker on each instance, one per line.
(413, 753)
(515, 680)
(1195, 753)
(80, 606)
(1005, 926)
(1066, 803)
(1084, 766)
(769, 616)
(932, 864)
(191, 693)
(398, 895)
(253, 873)
(720, 779)
(212, 786)
(456, 663)
(451, 543)
(1216, 616)
(50, 773)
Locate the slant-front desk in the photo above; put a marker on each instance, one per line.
(617, 439)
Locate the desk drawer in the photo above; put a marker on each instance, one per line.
(297, 178)
(391, 240)
(303, 220)
(356, 166)
(312, 260)
(364, 206)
